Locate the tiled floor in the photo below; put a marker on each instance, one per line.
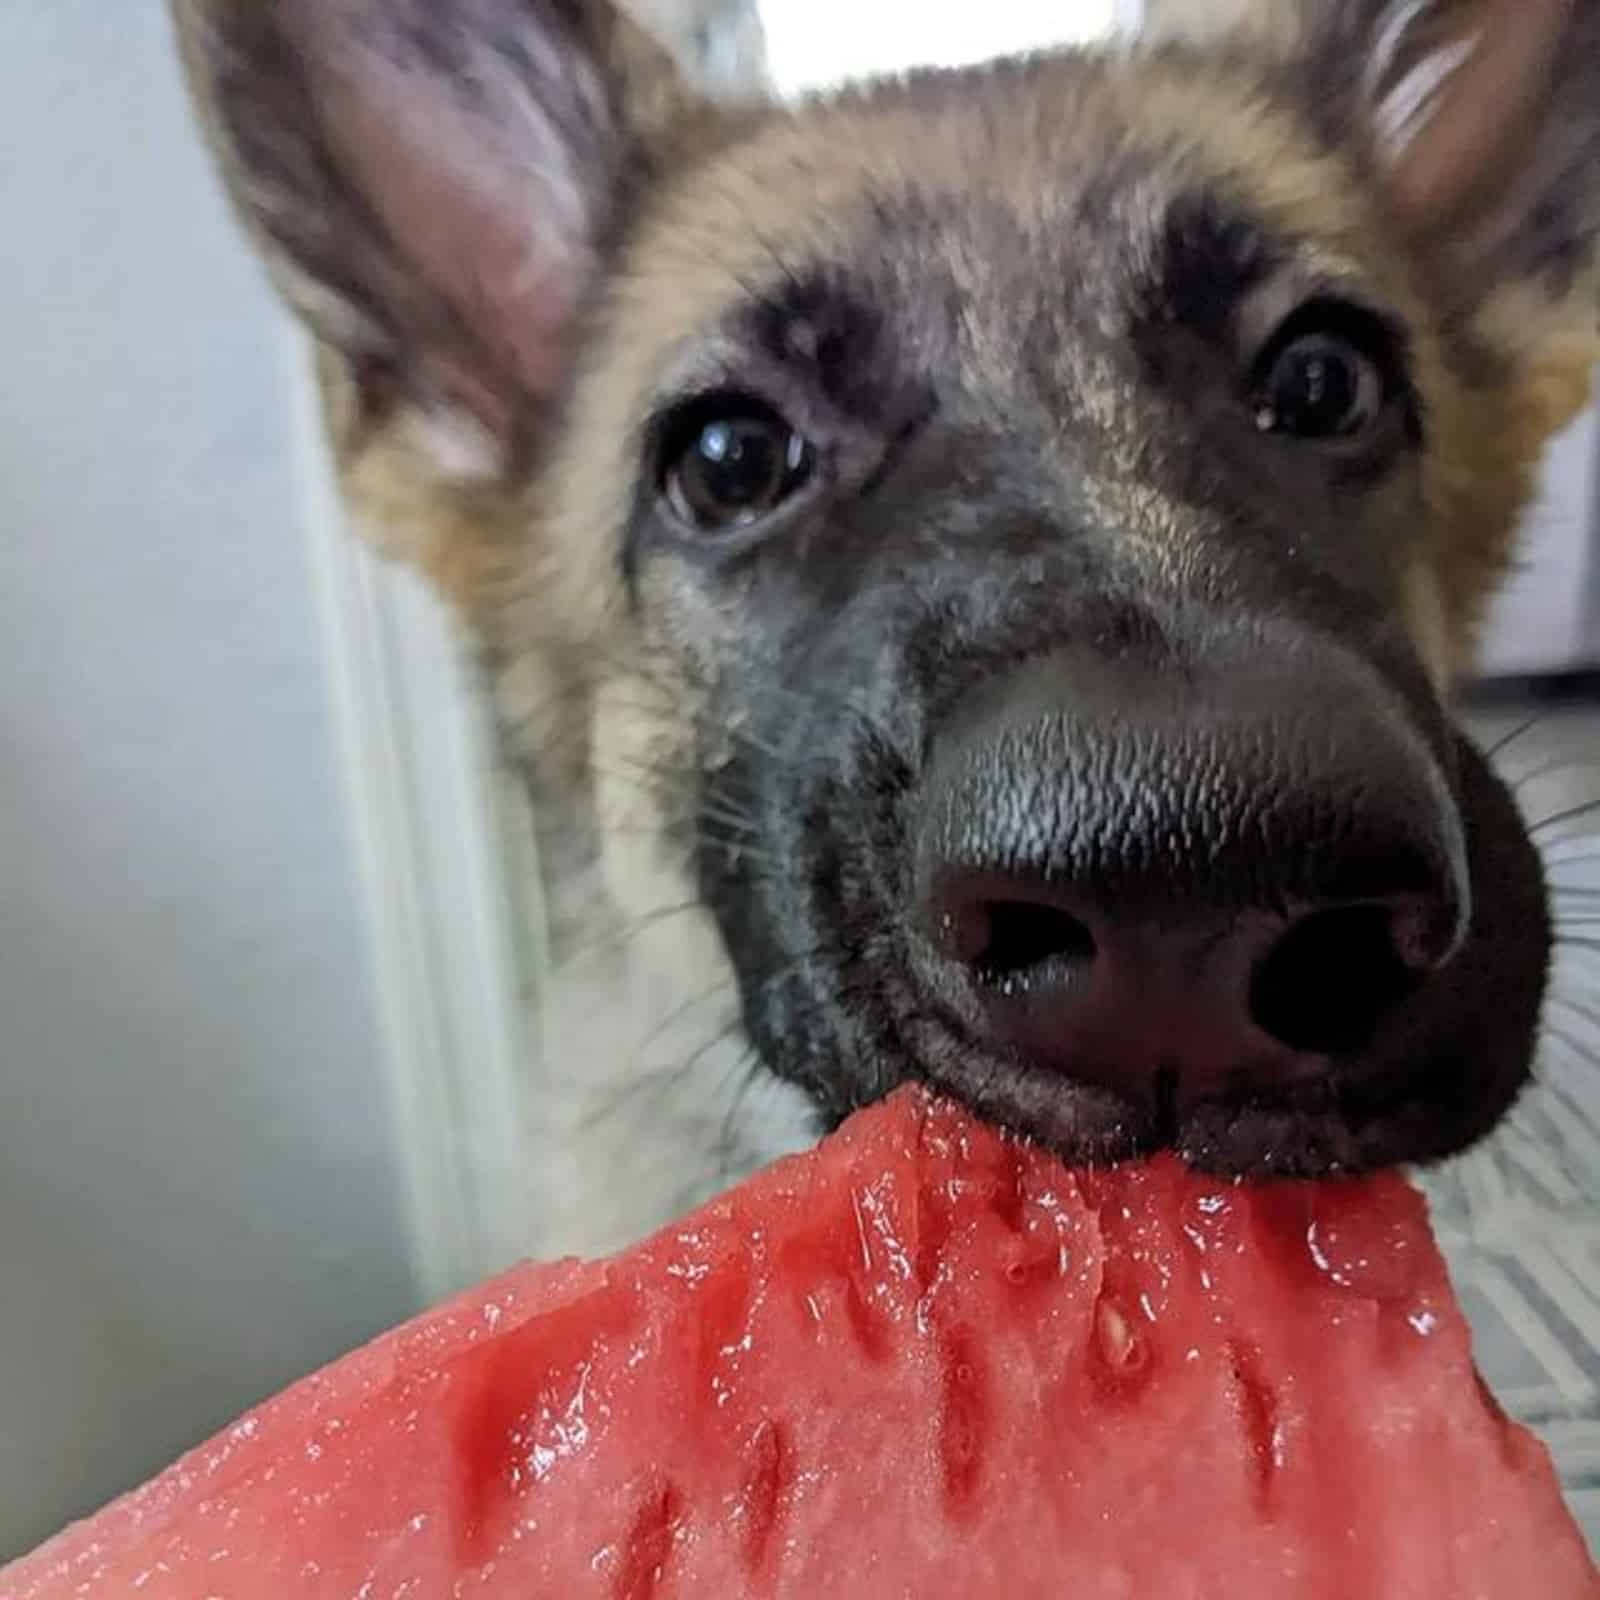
(1520, 1219)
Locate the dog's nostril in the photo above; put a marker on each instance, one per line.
(1328, 983)
(1006, 939)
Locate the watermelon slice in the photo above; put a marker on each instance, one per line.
(921, 1361)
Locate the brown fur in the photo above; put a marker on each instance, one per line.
(513, 501)
(1530, 376)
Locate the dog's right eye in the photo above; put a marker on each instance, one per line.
(1329, 374)
(727, 461)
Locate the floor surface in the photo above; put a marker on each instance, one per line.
(1520, 1219)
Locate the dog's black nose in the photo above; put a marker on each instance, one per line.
(1178, 877)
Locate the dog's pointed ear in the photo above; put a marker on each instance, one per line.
(1478, 120)
(434, 182)
(1483, 124)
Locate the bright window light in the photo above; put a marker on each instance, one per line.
(811, 43)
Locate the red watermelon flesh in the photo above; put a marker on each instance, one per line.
(921, 1361)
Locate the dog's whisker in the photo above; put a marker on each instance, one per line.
(657, 1085)
(617, 937)
(723, 986)
(736, 822)
(656, 781)
(1551, 1085)
(668, 714)
(685, 1068)
(1574, 972)
(1560, 1123)
(1574, 911)
(1553, 769)
(625, 769)
(770, 864)
(1567, 814)
(809, 699)
(1554, 853)
(1505, 742)
(749, 851)
(1578, 1007)
(751, 1069)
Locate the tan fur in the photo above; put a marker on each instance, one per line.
(644, 1016)
(1488, 438)
(475, 540)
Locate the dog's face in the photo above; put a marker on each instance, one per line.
(974, 562)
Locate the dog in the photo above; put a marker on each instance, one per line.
(969, 569)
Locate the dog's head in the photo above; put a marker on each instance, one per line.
(992, 545)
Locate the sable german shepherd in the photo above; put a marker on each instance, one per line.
(972, 568)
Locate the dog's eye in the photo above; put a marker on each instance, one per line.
(728, 461)
(1319, 387)
(1326, 374)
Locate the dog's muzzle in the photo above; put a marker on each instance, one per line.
(1179, 875)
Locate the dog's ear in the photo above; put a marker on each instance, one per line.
(1478, 120)
(1482, 121)
(434, 182)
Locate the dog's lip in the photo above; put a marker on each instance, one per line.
(1263, 1141)
(1174, 1095)
(1286, 1128)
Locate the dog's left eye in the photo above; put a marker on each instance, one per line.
(729, 461)
(1323, 376)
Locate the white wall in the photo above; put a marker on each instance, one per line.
(1546, 618)
(198, 1199)
(815, 42)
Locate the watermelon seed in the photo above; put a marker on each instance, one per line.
(761, 1500)
(1259, 1415)
(864, 1323)
(963, 1422)
(1120, 1349)
(649, 1545)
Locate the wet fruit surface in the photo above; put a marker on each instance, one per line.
(922, 1360)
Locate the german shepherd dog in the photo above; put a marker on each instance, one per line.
(970, 569)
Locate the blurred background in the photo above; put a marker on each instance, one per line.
(259, 1028)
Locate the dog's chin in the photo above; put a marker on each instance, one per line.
(1313, 1130)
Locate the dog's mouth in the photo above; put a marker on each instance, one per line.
(1326, 1122)
(1346, 976)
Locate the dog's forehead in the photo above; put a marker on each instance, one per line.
(1021, 190)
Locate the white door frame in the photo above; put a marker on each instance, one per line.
(441, 834)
